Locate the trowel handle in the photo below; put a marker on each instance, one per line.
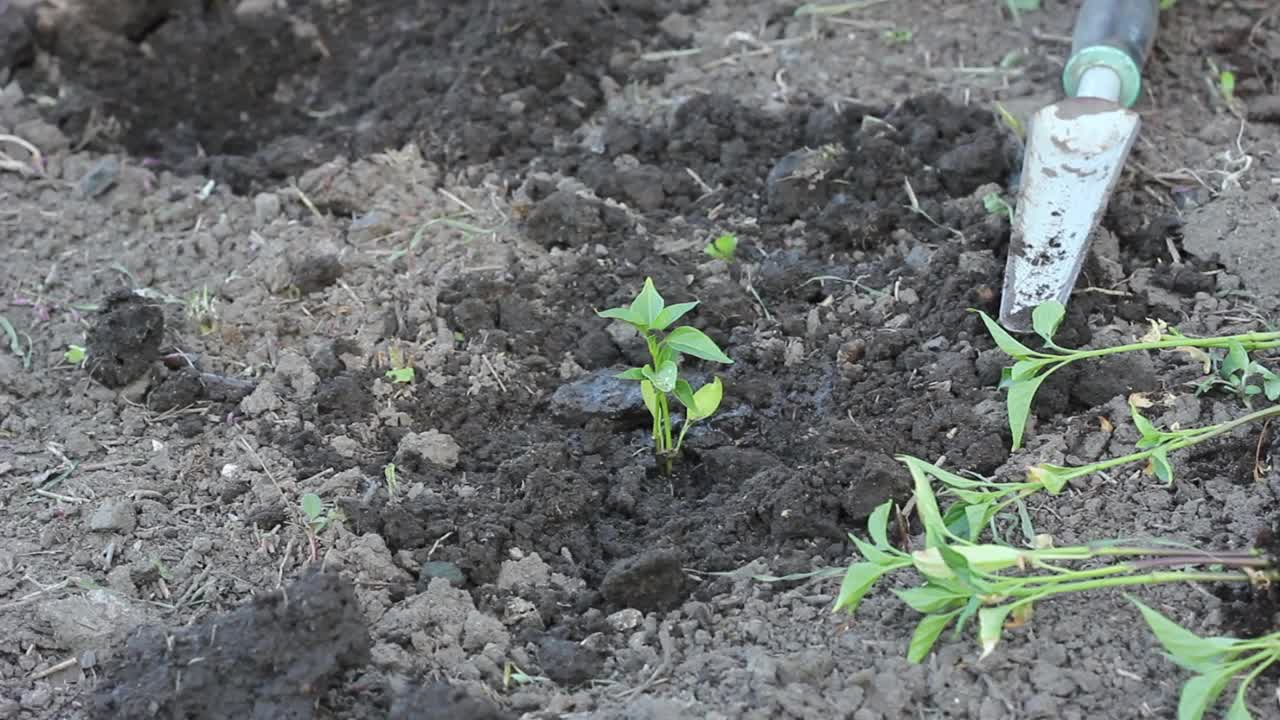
(1116, 34)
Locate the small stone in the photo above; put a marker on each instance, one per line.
(529, 572)
(624, 620)
(432, 447)
(569, 663)
(114, 515)
(266, 207)
(100, 178)
(598, 396)
(647, 582)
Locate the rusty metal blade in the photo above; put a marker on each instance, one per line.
(1075, 151)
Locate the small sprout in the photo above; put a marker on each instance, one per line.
(400, 375)
(723, 248)
(389, 474)
(1227, 85)
(202, 310)
(313, 509)
(649, 314)
(1012, 122)
(897, 37)
(996, 204)
(401, 366)
(74, 355)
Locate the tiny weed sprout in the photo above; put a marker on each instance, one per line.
(659, 379)
(393, 483)
(74, 355)
(202, 310)
(401, 368)
(723, 248)
(996, 205)
(313, 509)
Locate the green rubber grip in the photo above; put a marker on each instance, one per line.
(1117, 34)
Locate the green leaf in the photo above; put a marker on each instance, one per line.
(991, 627)
(1052, 477)
(632, 374)
(74, 354)
(1004, 340)
(650, 396)
(1270, 385)
(723, 247)
(926, 502)
(684, 393)
(664, 378)
(312, 506)
(929, 598)
(648, 304)
(1237, 360)
(959, 565)
(1145, 427)
(707, 400)
(878, 524)
(1046, 318)
(1200, 692)
(1184, 647)
(858, 579)
(692, 341)
(672, 313)
(624, 314)
(926, 634)
(1239, 710)
(1161, 467)
(1025, 369)
(976, 518)
(1024, 518)
(1018, 403)
(870, 552)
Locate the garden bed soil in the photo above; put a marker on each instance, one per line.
(313, 194)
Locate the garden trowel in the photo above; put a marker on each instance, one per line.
(1075, 150)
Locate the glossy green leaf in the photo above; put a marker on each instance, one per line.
(976, 518)
(684, 393)
(1270, 384)
(631, 374)
(858, 579)
(672, 313)
(1239, 709)
(650, 397)
(929, 598)
(926, 635)
(1018, 403)
(1145, 427)
(692, 341)
(878, 524)
(1004, 340)
(870, 552)
(624, 314)
(664, 378)
(1236, 361)
(1201, 692)
(991, 626)
(1161, 466)
(707, 400)
(1025, 369)
(648, 305)
(1046, 318)
(1184, 647)
(926, 501)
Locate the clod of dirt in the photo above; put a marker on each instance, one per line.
(566, 219)
(316, 273)
(16, 47)
(599, 396)
(125, 340)
(1114, 375)
(569, 663)
(648, 582)
(420, 451)
(267, 660)
(96, 621)
(442, 701)
(803, 181)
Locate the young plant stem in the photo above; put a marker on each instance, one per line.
(1191, 438)
(1156, 578)
(1251, 342)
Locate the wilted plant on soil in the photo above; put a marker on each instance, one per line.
(649, 314)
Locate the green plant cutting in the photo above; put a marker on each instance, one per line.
(1032, 367)
(660, 378)
(724, 247)
(997, 586)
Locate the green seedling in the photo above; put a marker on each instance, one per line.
(401, 368)
(393, 483)
(318, 517)
(202, 310)
(897, 37)
(1216, 662)
(659, 379)
(999, 585)
(74, 355)
(723, 248)
(1012, 122)
(997, 205)
(15, 345)
(1236, 373)
(1032, 367)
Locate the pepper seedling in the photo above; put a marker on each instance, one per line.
(659, 379)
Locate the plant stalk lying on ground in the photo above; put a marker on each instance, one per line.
(999, 585)
(649, 314)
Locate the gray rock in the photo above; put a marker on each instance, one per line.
(114, 515)
(599, 395)
(530, 571)
(440, 569)
(266, 207)
(648, 582)
(432, 447)
(100, 178)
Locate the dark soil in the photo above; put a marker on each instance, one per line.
(529, 559)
